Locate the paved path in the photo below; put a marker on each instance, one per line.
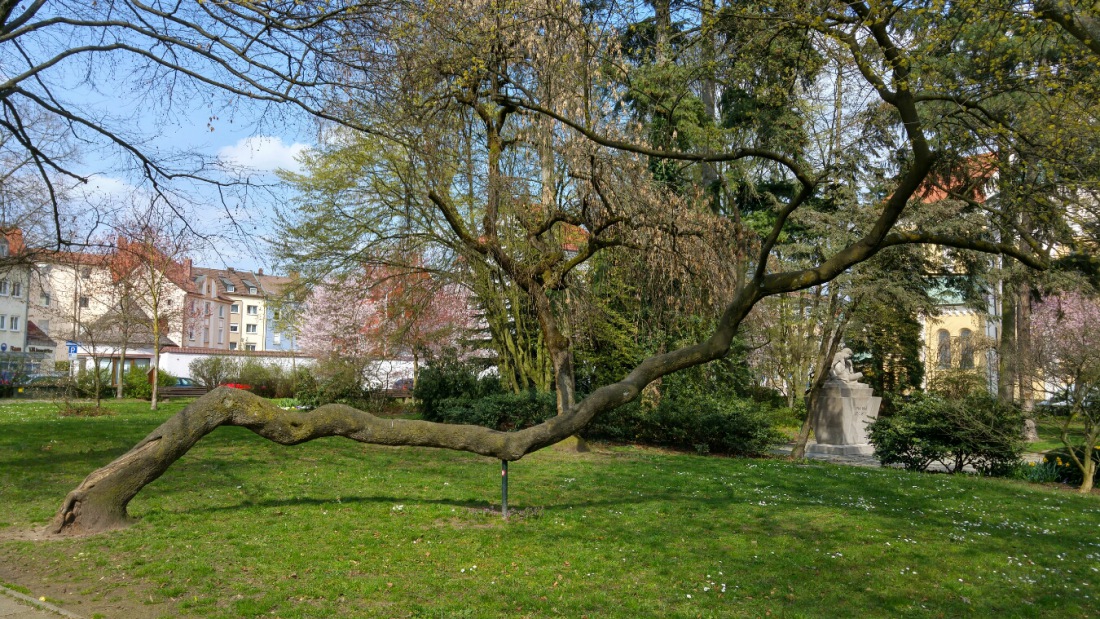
(15, 605)
(871, 461)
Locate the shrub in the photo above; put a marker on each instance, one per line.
(701, 422)
(86, 383)
(265, 379)
(448, 378)
(333, 380)
(214, 371)
(502, 411)
(135, 383)
(975, 430)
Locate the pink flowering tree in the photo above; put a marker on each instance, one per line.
(1067, 333)
(383, 315)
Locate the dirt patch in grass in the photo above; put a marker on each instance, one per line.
(81, 589)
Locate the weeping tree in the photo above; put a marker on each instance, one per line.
(497, 142)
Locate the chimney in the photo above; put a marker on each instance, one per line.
(15, 241)
(260, 271)
(187, 266)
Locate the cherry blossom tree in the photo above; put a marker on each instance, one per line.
(382, 314)
(1067, 329)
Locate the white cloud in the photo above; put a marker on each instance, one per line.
(102, 187)
(262, 153)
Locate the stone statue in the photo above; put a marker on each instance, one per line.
(843, 409)
(842, 370)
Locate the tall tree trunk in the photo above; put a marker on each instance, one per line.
(119, 392)
(708, 90)
(1007, 376)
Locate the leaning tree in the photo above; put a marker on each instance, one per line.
(499, 142)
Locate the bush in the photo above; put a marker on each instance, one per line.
(213, 371)
(86, 383)
(975, 430)
(334, 380)
(135, 383)
(265, 379)
(698, 421)
(448, 378)
(502, 411)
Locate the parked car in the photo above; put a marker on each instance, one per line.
(185, 382)
(42, 385)
(44, 380)
(403, 384)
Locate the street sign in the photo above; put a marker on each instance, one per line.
(72, 349)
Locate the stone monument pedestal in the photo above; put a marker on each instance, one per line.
(844, 408)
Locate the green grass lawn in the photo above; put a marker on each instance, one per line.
(244, 528)
(1049, 429)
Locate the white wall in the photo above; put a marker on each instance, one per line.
(177, 363)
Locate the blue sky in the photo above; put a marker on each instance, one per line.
(244, 142)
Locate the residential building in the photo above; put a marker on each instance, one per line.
(14, 289)
(209, 311)
(121, 340)
(68, 289)
(281, 331)
(248, 316)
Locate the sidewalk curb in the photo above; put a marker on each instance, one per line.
(26, 599)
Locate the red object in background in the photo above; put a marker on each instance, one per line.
(238, 386)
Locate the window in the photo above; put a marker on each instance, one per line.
(221, 335)
(250, 328)
(14, 326)
(84, 302)
(253, 310)
(45, 299)
(3, 321)
(4, 287)
(277, 339)
(235, 308)
(206, 335)
(191, 333)
(966, 350)
(251, 347)
(943, 349)
(252, 290)
(16, 289)
(86, 272)
(221, 311)
(207, 308)
(230, 288)
(234, 327)
(232, 346)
